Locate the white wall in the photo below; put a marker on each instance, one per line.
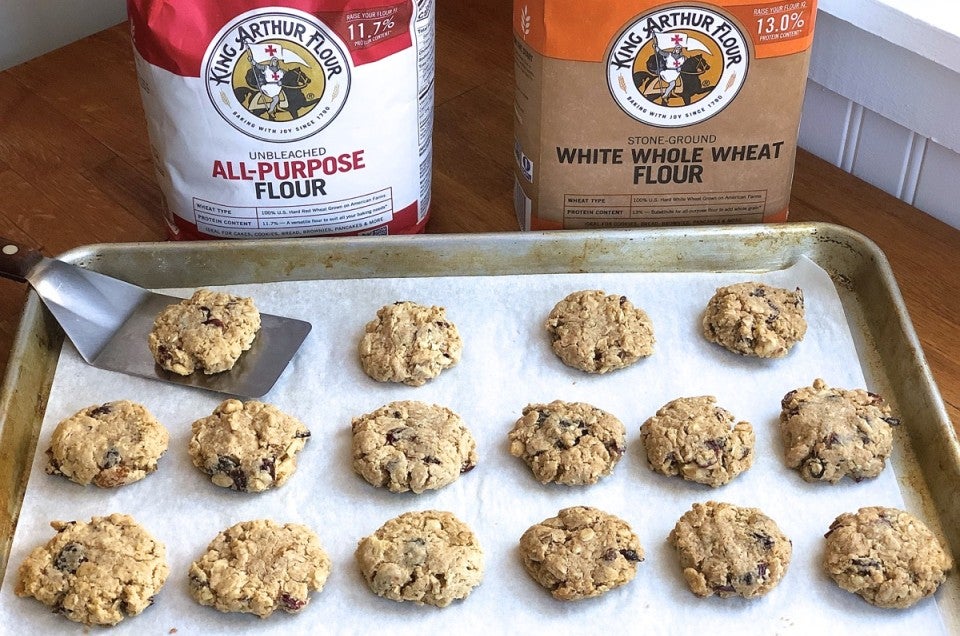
(881, 104)
(29, 28)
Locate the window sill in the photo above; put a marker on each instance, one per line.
(929, 28)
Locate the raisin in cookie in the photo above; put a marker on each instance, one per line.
(206, 332)
(259, 567)
(829, 433)
(754, 319)
(598, 332)
(571, 443)
(581, 553)
(96, 573)
(247, 446)
(409, 343)
(411, 445)
(428, 557)
(696, 439)
(110, 444)
(728, 550)
(885, 555)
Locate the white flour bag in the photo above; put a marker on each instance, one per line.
(288, 117)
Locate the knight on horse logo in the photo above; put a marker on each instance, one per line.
(677, 67)
(274, 82)
(277, 76)
(667, 66)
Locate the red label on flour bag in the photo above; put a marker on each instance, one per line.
(288, 118)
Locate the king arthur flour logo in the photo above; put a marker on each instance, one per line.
(277, 76)
(677, 66)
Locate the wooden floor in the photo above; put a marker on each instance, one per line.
(75, 169)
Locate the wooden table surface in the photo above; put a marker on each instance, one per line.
(75, 169)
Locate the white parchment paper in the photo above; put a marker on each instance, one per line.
(507, 364)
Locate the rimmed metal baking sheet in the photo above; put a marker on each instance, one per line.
(928, 469)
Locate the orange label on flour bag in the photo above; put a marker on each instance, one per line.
(286, 118)
(642, 113)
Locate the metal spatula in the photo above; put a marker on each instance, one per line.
(108, 320)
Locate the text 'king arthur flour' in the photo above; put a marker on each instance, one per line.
(639, 112)
(288, 118)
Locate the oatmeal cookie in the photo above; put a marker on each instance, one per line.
(427, 557)
(754, 319)
(410, 445)
(247, 446)
(829, 433)
(96, 573)
(409, 343)
(598, 332)
(696, 439)
(887, 556)
(259, 567)
(206, 332)
(111, 444)
(571, 443)
(581, 553)
(728, 550)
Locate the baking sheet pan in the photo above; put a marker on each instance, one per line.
(889, 352)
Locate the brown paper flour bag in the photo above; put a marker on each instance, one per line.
(643, 113)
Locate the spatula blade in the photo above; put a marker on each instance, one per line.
(254, 374)
(108, 321)
(88, 305)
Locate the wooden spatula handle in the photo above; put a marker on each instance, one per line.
(17, 260)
